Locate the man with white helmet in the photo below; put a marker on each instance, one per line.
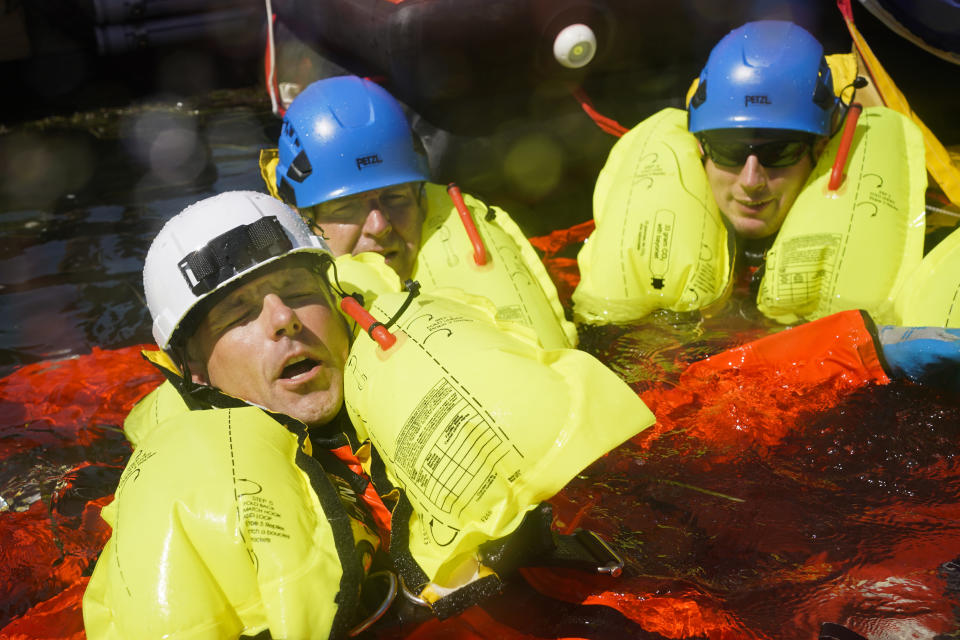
(349, 162)
(246, 508)
(223, 524)
(297, 343)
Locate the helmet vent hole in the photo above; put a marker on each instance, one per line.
(300, 168)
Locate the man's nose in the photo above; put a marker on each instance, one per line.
(281, 320)
(377, 222)
(752, 176)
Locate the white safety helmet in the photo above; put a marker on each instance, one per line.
(210, 245)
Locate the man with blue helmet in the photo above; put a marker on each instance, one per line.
(762, 112)
(754, 184)
(349, 162)
(346, 160)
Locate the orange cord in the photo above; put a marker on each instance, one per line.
(843, 152)
(609, 125)
(367, 322)
(479, 251)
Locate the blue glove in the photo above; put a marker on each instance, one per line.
(922, 354)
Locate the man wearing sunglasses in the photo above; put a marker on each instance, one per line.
(762, 112)
(756, 174)
(740, 188)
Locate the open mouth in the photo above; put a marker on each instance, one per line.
(298, 366)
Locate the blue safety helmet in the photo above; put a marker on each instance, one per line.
(765, 75)
(341, 136)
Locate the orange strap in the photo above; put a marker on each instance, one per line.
(840, 163)
(479, 251)
(609, 125)
(381, 515)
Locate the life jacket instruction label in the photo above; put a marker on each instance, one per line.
(261, 517)
(806, 263)
(482, 423)
(446, 446)
(662, 238)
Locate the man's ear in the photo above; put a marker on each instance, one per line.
(836, 121)
(818, 146)
(198, 375)
(195, 364)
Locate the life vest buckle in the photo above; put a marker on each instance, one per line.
(608, 560)
(412, 597)
(586, 551)
(388, 599)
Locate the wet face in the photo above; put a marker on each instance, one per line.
(756, 179)
(387, 221)
(275, 342)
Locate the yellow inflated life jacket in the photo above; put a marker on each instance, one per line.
(513, 278)
(482, 424)
(930, 295)
(660, 241)
(851, 248)
(223, 524)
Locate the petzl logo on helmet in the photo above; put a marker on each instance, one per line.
(367, 161)
(748, 100)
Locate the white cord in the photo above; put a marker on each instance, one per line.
(271, 53)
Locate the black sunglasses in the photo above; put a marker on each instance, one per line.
(774, 154)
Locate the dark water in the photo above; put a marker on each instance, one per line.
(81, 198)
(848, 514)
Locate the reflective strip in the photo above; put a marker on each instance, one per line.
(233, 252)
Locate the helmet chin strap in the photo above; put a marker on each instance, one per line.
(180, 358)
(858, 83)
